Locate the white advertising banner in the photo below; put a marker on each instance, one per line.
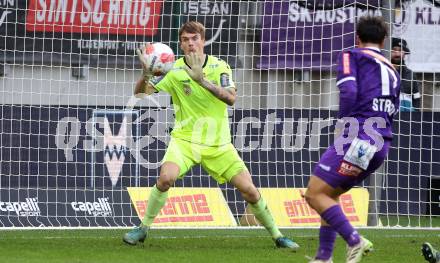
(418, 22)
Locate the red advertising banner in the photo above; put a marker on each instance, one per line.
(139, 17)
(106, 33)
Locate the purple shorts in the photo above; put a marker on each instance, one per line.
(343, 169)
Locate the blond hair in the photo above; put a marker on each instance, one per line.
(192, 27)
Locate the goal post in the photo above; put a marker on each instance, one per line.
(77, 147)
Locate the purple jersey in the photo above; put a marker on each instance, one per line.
(369, 88)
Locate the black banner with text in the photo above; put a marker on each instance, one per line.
(94, 149)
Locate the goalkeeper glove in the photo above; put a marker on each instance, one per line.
(146, 72)
(195, 70)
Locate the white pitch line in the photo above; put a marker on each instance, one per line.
(221, 236)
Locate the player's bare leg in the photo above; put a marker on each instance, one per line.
(158, 196)
(244, 184)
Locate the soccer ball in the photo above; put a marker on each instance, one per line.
(159, 58)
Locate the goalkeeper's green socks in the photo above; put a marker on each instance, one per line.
(156, 201)
(265, 218)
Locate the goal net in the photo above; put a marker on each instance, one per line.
(78, 150)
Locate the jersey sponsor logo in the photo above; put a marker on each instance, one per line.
(28, 208)
(100, 208)
(360, 153)
(224, 80)
(346, 63)
(115, 150)
(348, 169)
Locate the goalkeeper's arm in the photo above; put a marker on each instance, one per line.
(143, 88)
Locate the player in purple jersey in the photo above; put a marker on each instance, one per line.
(369, 98)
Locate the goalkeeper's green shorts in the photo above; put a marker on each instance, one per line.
(221, 162)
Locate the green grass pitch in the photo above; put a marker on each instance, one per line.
(195, 245)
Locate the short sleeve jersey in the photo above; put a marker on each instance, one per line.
(200, 117)
(377, 84)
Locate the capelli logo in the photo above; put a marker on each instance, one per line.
(100, 208)
(28, 208)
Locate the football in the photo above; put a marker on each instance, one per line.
(159, 58)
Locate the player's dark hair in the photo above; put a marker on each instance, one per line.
(372, 29)
(192, 27)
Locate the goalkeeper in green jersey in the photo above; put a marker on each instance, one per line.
(201, 87)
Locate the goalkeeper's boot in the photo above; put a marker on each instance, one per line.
(284, 242)
(430, 253)
(356, 252)
(137, 234)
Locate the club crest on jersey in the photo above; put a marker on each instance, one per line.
(187, 89)
(361, 151)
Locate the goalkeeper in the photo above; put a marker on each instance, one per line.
(201, 87)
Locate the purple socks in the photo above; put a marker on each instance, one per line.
(339, 222)
(327, 237)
